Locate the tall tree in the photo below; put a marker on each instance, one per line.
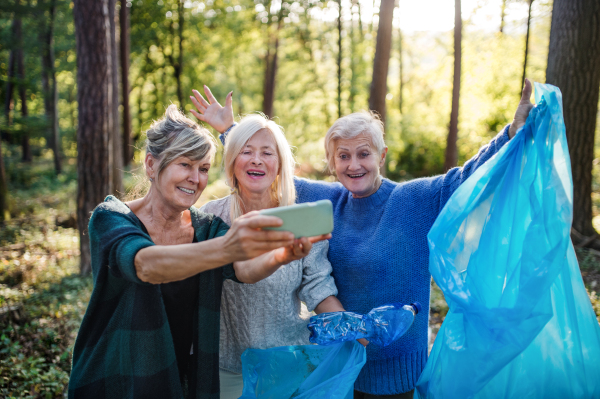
(381, 62)
(177, 62)
(400, 71)
(502, 15)
(451, 145)
(573, 59)
(339, 59)
(26, 148)
(94, 96)
(117, 140)
(8, 102)
(124, 58)
(271, 58)
(526, 47)
(49, 85)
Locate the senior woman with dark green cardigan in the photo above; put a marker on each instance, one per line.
(151, 329)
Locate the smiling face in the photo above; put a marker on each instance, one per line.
(182, 181)
(357, 164)
(257, 165)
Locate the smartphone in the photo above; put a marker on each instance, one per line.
(304, 220)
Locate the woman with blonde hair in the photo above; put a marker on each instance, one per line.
(259, 169)
(151, 329)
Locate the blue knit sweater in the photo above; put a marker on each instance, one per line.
(380, 255)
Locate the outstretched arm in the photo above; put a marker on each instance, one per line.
(211, 112)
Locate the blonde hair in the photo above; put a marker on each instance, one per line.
(283, 191)
(348, 127)
(174, 136)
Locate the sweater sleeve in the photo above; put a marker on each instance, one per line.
(456, 176)
(115, 240)
(317, 282)
(219, 228)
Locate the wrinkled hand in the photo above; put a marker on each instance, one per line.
(246, 239)
(523, 109)
(298, 250)
(218, 117)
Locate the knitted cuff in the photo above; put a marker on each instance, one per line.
(223, 135)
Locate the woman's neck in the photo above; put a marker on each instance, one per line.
(256, 201)
(153, 210)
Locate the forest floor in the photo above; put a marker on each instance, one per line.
(43, 298)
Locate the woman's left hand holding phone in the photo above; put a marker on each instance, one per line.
(211, 112)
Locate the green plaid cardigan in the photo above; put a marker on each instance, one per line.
(124, 348)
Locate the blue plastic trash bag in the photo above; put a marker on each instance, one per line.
(381, 326)
(304, 371)
(520, 323)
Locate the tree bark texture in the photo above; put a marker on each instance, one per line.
(573, 66)
(117, 141)
(49, 85)
(124, 47)
(94, 96)
(526, 48)
(381, 62)
(451, 145)
(26, 149)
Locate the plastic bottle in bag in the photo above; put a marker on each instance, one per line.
(381, 326)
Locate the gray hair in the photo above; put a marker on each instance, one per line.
(348, 127)
(174, 136)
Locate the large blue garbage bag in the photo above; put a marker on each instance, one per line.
(303, 371)
(520, 323)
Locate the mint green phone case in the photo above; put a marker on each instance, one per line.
(304, 220)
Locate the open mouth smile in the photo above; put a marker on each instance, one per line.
(187, 190)
(356, 176)
(255, 173)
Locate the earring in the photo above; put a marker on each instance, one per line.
(151, 180)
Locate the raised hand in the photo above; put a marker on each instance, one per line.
(218, 117)
(523, 109)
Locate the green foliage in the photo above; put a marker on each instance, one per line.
(39, 265)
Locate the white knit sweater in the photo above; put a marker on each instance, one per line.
(270, 313)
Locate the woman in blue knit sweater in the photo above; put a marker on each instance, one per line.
(378, 249)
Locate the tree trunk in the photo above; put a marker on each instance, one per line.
(451, 146)
(50, 87)
(353, 58)
(573, 59)
(381, 62)
(94, 96)
(9, 83)
(26, 153)
(526, 48)
(117, 141)
(271, 72)
(502, 15)
(339, 59)
(400, 72)
(124, 58)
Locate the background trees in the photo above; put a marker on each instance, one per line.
(303, 62)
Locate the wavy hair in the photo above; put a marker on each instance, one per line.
(283, 191)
